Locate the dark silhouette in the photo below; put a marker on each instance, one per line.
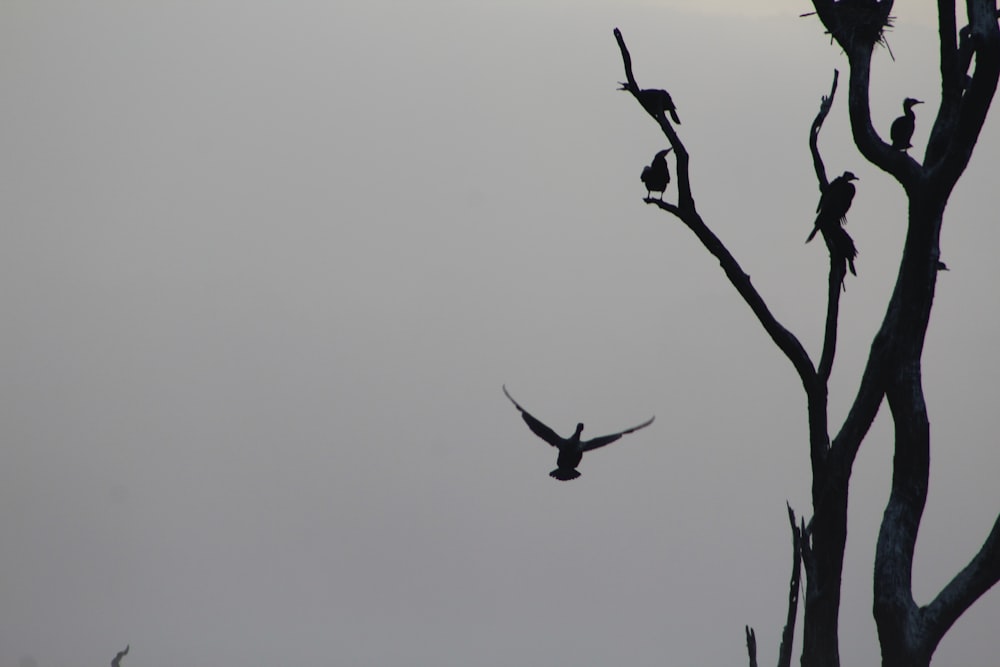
(656, 101)
(902, 128)
(843, 247)
(571, 449)
(834, 204)
(909, 632)
(118, 658)
(657, 175)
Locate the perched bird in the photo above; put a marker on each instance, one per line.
(834, 204)
(571, 449)
(656, 101)
(902, 128)
(657, 175)
(843, 247)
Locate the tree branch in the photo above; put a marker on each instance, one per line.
(984, 40)
(858, 27)
(751, 645)
(982, 572)
(118, 657)
(684, 197)
(686, 211)
(837, 269)
(826, 102)
(785, 650)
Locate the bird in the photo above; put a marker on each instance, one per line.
(657, 175)
(656, 101)
(834, 203)
(902, 128)
(843, 247)
(571, 449)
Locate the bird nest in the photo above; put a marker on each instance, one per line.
(864, 21)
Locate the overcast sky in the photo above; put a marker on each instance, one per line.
(264, 267)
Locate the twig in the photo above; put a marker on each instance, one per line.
(785, 650)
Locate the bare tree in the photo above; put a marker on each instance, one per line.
(908, 633)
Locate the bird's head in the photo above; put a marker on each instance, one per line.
(579, 430)
(909, 102)
(849, 176)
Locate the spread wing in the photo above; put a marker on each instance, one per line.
(594, 443)
(537, 427)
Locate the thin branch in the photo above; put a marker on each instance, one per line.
(782, 337)
(981, 574)
(118, 657)
(684, 197)
(785, 650)
(824, 109)
(685, 211)
(837, 269)
(751, 645)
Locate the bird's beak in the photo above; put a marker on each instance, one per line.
(918, 101)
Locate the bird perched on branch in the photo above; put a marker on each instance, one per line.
(843, 247)
(902, 128)
(834, 204)
(657, 175)
(656, 101)
(571, 449)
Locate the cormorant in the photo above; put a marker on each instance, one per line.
(656, 101)
(834, 203)
(657, 175)
(843, 246)
(902, 128)
(571, 449)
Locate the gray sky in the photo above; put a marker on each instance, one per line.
(265, 266)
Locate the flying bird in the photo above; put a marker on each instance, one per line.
(571, 449)
(657, 175)
(902, 128)
(834, 203)
(656, 101)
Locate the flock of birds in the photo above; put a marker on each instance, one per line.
(831, 216)
(836, 198)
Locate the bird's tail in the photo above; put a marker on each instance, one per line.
(844, 245)
(564, 474)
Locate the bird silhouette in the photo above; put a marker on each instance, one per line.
(571, 449)
(834, 204)
(657, 175)
(656, 101)
(843, 247)
(902, 128)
